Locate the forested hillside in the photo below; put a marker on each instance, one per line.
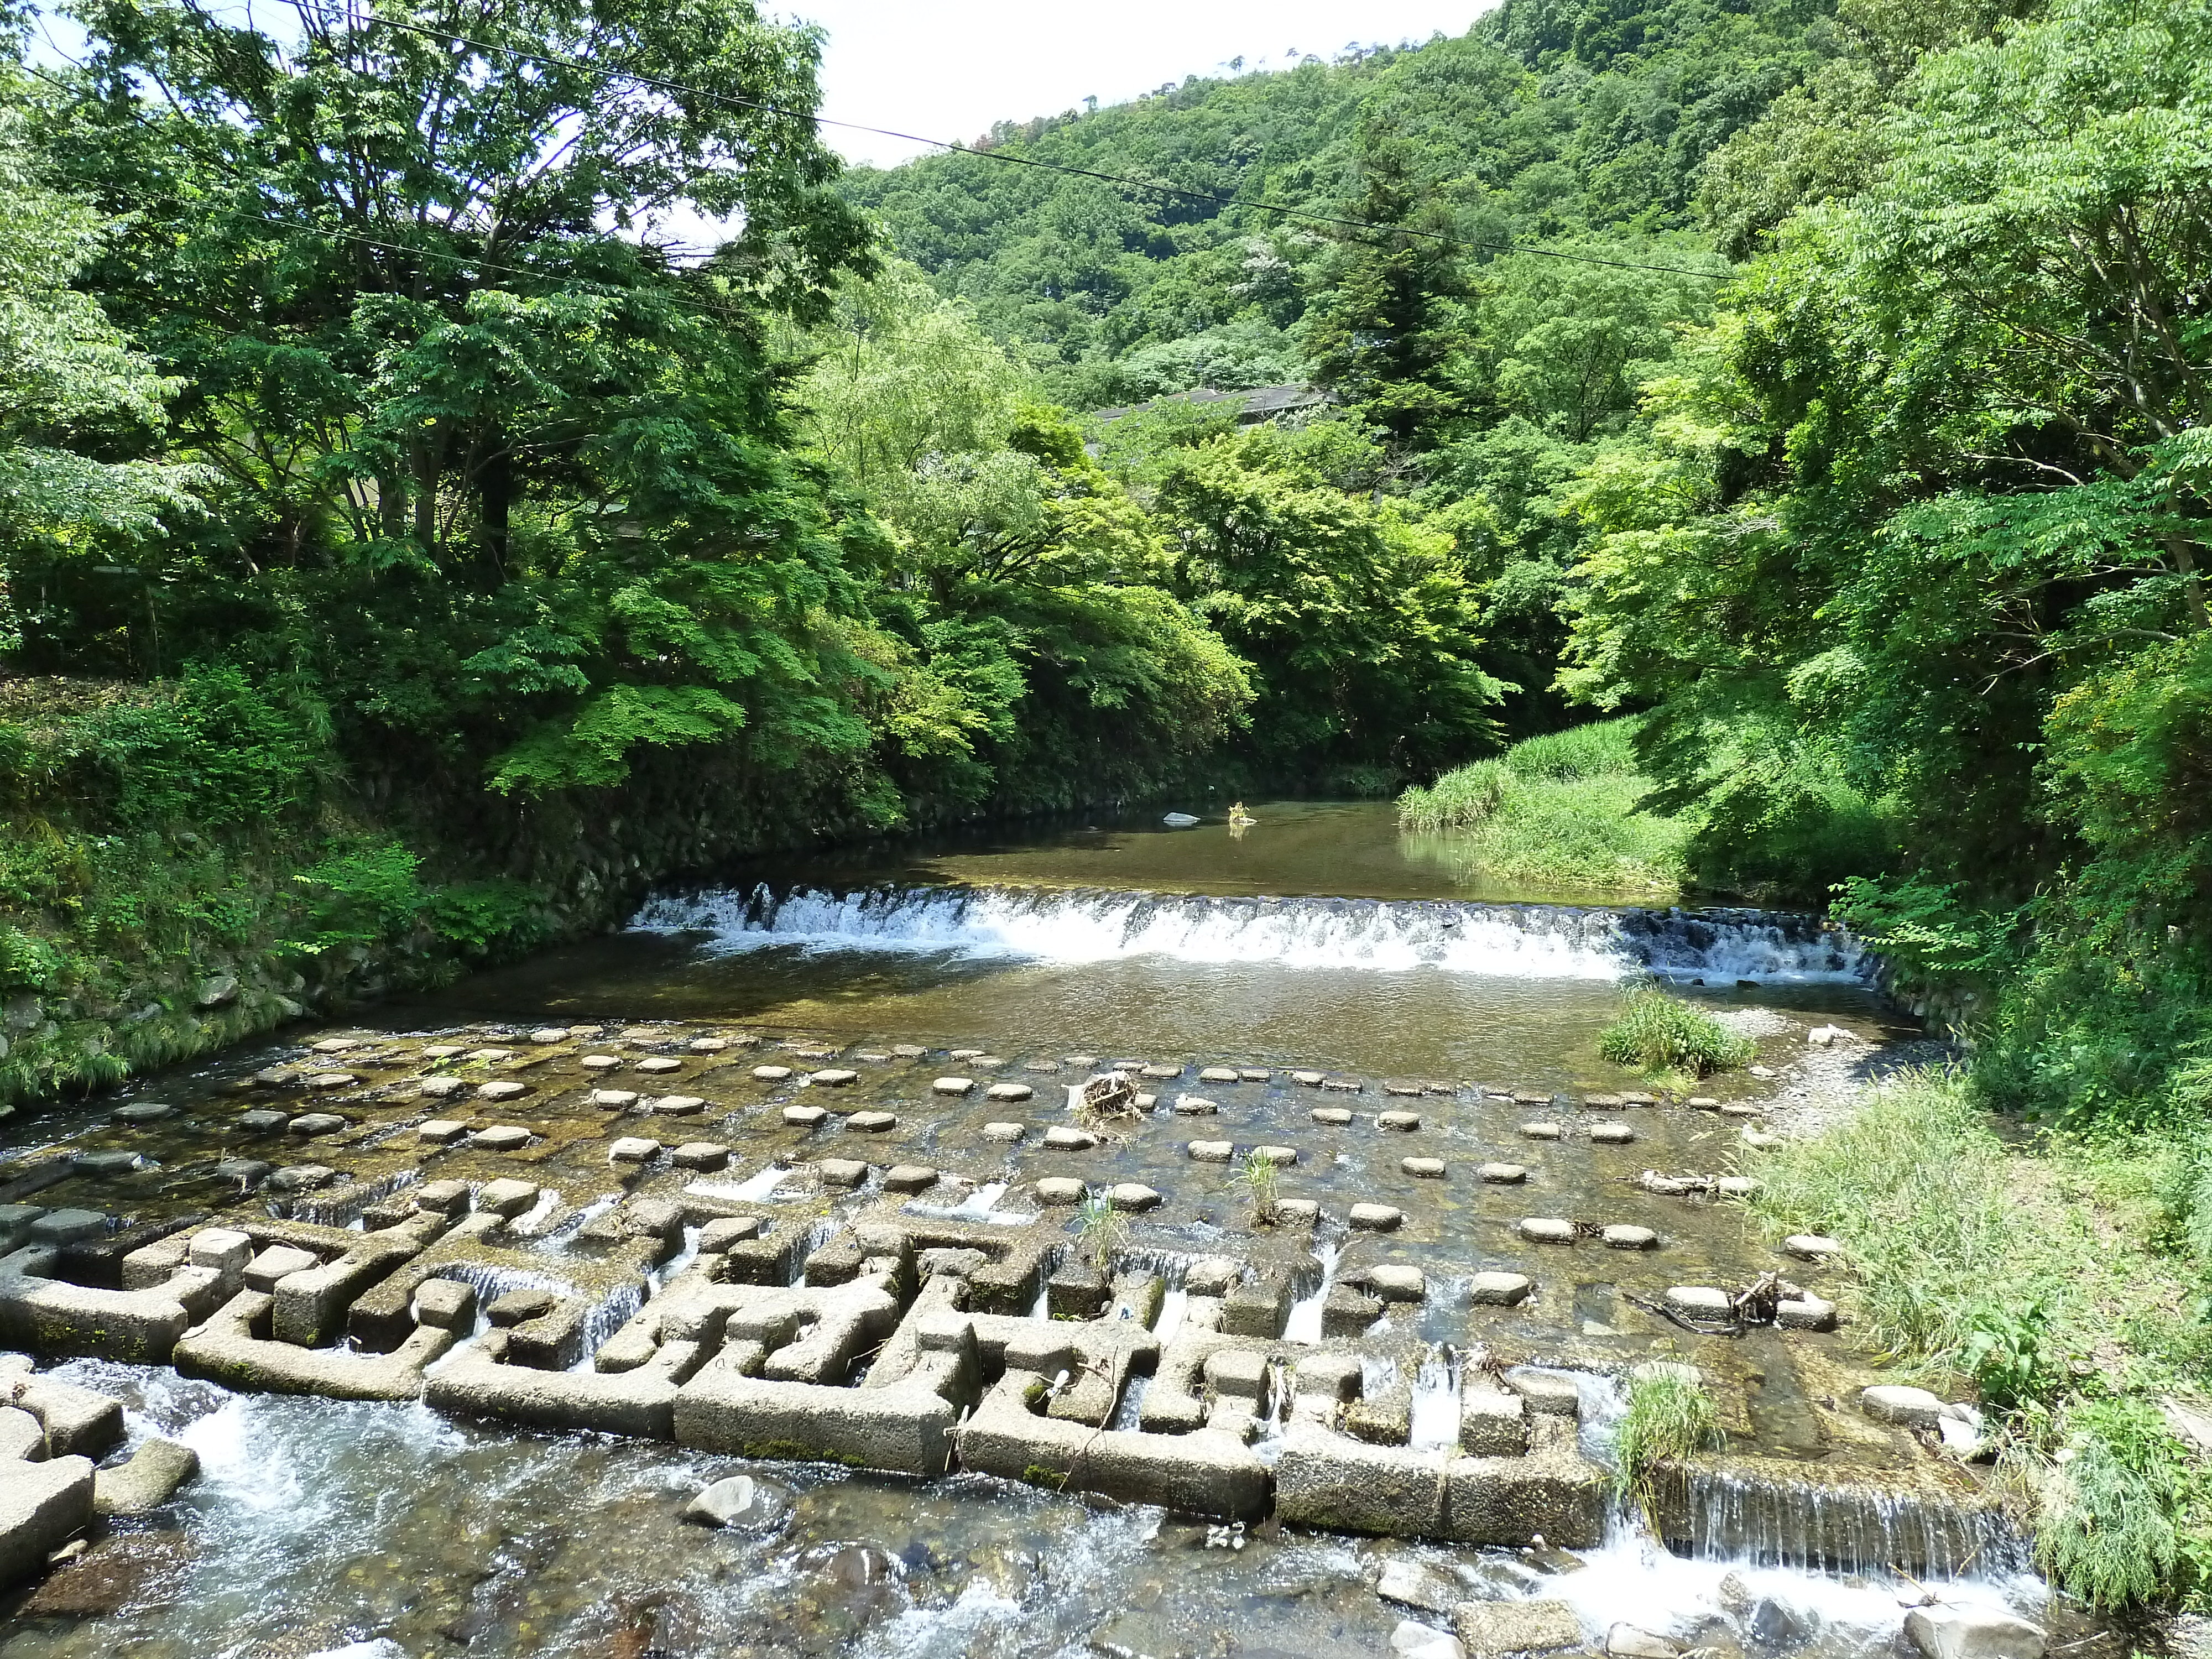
(409, 555)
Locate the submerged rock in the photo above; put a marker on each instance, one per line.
(741, 1502)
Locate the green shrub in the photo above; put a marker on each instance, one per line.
(1600, 749)
(1459, 800)
(1661, 1033)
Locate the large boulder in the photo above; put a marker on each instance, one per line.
(1950, 1633)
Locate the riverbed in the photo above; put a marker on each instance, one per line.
(1311, 958)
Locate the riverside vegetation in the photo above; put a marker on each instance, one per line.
(408, 551)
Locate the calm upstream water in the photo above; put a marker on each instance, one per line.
(1318, 936)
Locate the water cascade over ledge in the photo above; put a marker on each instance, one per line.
(1075, 925)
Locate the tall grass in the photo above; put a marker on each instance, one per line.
(1558, 812)
(1663, 1033)
(1669, 1419)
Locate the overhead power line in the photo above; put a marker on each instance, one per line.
(1281, 209)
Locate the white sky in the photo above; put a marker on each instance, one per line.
(948, 68)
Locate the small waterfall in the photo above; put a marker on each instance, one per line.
(1808, 1525)
(341, 1207)
(1436, 1400)
(1304, 1323)
(1529, 941)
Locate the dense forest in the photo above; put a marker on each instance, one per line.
(409, 549)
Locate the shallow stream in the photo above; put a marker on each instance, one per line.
(1316, 938)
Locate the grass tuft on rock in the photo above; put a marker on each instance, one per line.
(1670, 1419)
(1661, 1033)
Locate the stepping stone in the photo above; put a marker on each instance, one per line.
(1212, 1151)
(678, 1106)
(1335, 1116)
(700, 1155)
(247, 1172)
(661, 1064)
(1041, 1066)
(707, 1045)
(502, 1091)
(1702, 1103)
(1399, 1086)
(1347, 1085)
(490, 1056)
(1297, 1211)
(907, 1051)
(1061, 1138)
(328, 1081)
(1403, 1122)
(601, 1062)
(1006, 1131)
(771, 1073)
(717, 1236)
(143, 1111)
(966, 1053)
(1397, 1283)
(277, 1262)
(1546, 1230)
(1503, 1175)
(1701, 1302)
(836, 1077)
(333, 1046)
(441, 1197)
(1540, 1131)
(440, 1088)
(107, 1163)
(1621, 1236)
(1216, 1074)
(872, 1123)
(1131, 1195)
(614, 1100)
(1425, 1169)
(1736, 1186)
(871, 1056)
(442, 1051)
(1440, 1087)
(1009, 1091)
(1281, 1157)
(1161, 1071)
(1759, 1140)
(1145, 1103)
(1665, 1186)
(1500, 1289)
(441, 1131)
(520, 1307)
(549, 1035)
(1060, 1189)
(312, 1123)
(633, 1149)
(812, 1051)
(297, 1178)
(1602, 1102)
(804, 1117)
(1742, 1109)
(1081, 1062)
(263, 1121)
(501, 1137)
(68, 1226)
(1194, 1106)
(1893, 1402)
(1612, 1134)
(1375, 1218)
(445, 1304)
(952, 1086)
(1806, 1313)
(1632, 1098)
(842, 1171)
(1308, 1079)
(1812, 1247)
(1531, 1097)
(909, 1178)
(1254, 1074)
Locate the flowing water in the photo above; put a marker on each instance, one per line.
(1318, 938)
